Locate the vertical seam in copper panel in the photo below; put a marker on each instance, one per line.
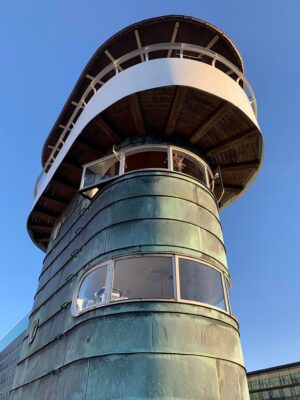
(152, 331)
(87, 380)
(218, 376)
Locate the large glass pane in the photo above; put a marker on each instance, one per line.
(101, 171)
(285, 377)
(146, 158)
(143, 278)
(255, 396)
(198, 282)
(276, 394)
(188, 165)
(295, 376)
(266, 395)
(92, 289)
(287, 392)
(297, 391)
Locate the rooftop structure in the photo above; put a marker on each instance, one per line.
(280, 382)
(203, 97)
(159, 133)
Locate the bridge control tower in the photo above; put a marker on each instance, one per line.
(159, 134)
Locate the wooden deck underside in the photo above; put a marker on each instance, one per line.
(219, 130)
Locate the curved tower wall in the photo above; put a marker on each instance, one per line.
(137, 349)
(166, 82)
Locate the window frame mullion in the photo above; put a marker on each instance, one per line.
(109, 281)
(176, 278)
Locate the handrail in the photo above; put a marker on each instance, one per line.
(116, 66)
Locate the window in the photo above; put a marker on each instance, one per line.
(187, 164)
(297, 390)
(143, 278)
(100, 171)
(146, 277)
(295, 376)
(201, 283)
(287, 392)
(144, 157)
(92, 290)
(276, 394)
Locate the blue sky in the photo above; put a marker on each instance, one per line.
(44, 47)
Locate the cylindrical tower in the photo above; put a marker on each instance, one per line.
(159, 133)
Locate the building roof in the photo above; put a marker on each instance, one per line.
(276, 368)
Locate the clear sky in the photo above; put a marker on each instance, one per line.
(44, 47)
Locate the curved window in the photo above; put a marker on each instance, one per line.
(97, 172)
(187, 164)
(201, 283)
(143, 278)
(144, 157)
(151, 277)
(92, 290)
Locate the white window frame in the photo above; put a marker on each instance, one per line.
(108, 280)
(227, 281)
(176, 284)
(207, 264)
(141, 255)
(86, 166)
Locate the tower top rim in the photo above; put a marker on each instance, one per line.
(167, 28)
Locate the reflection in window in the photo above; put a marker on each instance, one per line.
(143, 278)
(201, 283)
(92, 289)
(101, 171)
(186, 164)
(147, 277)
(146, 158)
(297, 390)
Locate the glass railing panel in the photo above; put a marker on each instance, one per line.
(14, 333)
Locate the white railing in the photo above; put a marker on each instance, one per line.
(143, 55)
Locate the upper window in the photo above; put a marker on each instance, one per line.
(146, 277)
(144, 157)
(100, 171)
(187, 164)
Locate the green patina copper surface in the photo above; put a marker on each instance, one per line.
(138, 350)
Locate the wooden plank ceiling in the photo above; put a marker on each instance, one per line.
(216, 129)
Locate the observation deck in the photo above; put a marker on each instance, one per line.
(174, 77)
